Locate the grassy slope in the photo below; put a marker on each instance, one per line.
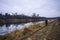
(55, 32)
(38, 30)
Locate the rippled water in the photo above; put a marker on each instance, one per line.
(12, 27)
(7, 29)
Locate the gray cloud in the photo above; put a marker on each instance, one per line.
(48, 8)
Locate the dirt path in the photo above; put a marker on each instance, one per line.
(41, 33)
(55, 32)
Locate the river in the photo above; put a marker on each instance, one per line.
(4, 29)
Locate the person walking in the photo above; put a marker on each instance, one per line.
(46, 22)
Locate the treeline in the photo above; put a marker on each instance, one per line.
(8, 16)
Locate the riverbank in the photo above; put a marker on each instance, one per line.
(12, 27)
(55, 32)
(33, 32)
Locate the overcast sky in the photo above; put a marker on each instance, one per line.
(47, 8)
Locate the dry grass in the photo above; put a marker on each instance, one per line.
(18, 34)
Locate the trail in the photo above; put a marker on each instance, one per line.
(43, 32)
(55, 32)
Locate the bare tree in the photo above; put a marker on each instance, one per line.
(37, 15)
(34, 15)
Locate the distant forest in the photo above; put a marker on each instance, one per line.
(8, 16)
(8, 19)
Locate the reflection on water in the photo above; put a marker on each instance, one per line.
(3, 30)
(11, 27)
(7, 28)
